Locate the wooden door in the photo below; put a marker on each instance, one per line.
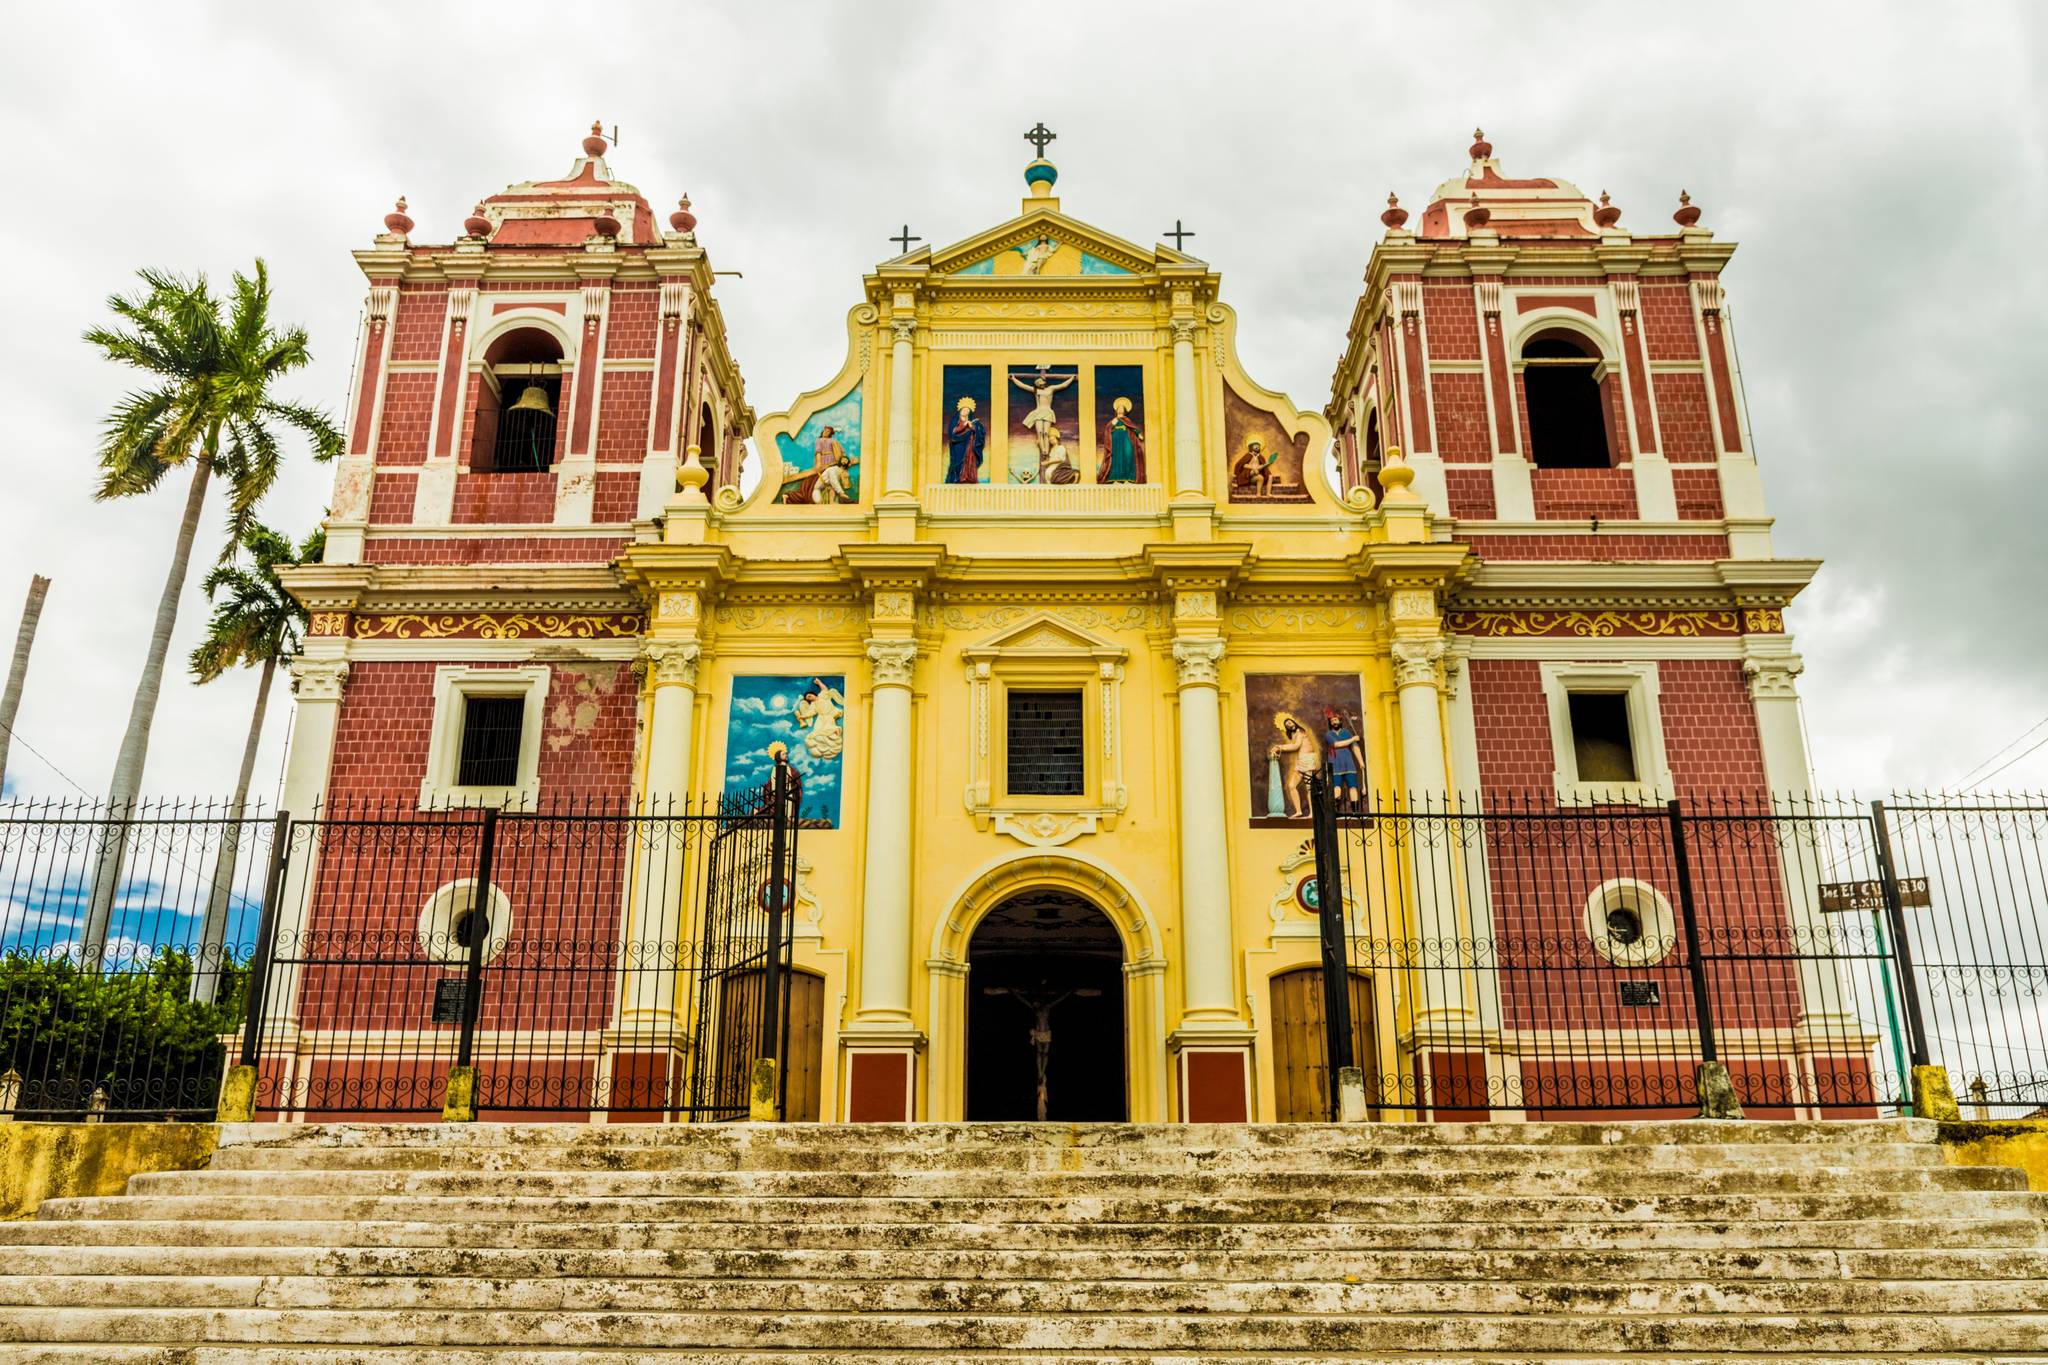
(1300, 1057)
(806, 1060)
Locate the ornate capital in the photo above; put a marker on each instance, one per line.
(902, 329)
(383, 298)
(892, 661)
(1773, 675)
(1183, 331)
(1197, 661)
(594, 297)
(675, 298)
(1417, 663)
(319, 679)
(672, 665)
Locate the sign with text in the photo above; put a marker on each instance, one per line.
(1838, 897)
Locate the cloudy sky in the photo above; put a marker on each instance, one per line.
(1883, 167)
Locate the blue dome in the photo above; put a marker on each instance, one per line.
(1040, 172)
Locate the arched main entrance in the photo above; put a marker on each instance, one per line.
(1045, 1012)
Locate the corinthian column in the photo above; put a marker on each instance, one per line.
(1204, 865)
(655, 938)
(1418, 674)
(885, 882)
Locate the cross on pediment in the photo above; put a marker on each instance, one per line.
(904, 239)
(1179, 235)
(1039, 136)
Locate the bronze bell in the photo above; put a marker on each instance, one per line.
(535, 399)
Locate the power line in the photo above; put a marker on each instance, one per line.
(17, 737)
(2010, 761)
(1958, 785)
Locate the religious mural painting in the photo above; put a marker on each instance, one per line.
(1120, 407)
(1265, 461)
(821, 463)
(1044, 404)
(964, 409)
(803, 717)
(1296, 725)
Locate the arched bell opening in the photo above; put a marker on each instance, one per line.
(1045, 1013)
(518, 404)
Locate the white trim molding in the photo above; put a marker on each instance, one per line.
(1635, 680)
(454, 684)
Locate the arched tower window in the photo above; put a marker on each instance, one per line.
(518, 404)
(1567, 403)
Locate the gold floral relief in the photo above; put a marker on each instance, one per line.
(328, 623)
(1593, 624)
(1763, 621)
(497, 626)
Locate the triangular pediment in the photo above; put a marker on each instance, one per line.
(1078, 249)
(1044, 635)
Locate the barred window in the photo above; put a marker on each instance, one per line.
(1046, 754)
(490, 741)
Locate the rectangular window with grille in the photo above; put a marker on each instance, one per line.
(490, 741)
(1046, 738)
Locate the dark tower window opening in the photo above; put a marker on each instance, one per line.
(1603, 744)
(1567, 404)
(518, 405)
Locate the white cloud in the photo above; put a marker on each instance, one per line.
(1886, 297)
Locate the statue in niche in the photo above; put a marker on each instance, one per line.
(965, 444)
(1123, 447)
(1058, 466)
(1043, 424)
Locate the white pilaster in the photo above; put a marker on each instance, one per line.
(1187, 411)
(1418, 677)
(317, 683)
(896, 470)
(885, 880)
(648, 1000)
(1204, 837)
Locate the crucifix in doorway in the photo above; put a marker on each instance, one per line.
(1040, 1006)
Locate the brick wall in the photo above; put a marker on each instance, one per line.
(1698, 491)
(1460, 402)
(1601, 548)
(408, 412)
(495, 550)
(1471, 493)
(1576, 494)
(1682, 418)
(1452, 320)
(1667, 320)
(630, 323)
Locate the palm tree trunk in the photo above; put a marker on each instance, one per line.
(207, 965)
(127, 781)
(17, 673)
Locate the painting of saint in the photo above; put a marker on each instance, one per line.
(1120, 458)
(966, 433)
(821, 462)
(1044, 405)
(1297, 725)
(1265, 459)
(802, 718)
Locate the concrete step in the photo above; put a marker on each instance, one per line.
(1193, 1160)
(1958, 1231)
(1307, 1264)
(983, 1137)
(1959, 1330)
(413, 1355)
(752, 1184)
(767, 1298)
(1929, 1206)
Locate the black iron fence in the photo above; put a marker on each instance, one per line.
(1584, 961)
(583, 960)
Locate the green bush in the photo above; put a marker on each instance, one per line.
(130, 1029)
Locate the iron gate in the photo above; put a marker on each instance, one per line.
(583, 959)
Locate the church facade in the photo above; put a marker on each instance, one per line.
(1052, 607)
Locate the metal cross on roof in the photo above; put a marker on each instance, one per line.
(1178, 234)
(904, 239)
(1039, 136)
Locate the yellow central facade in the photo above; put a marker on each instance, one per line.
(1123, 540)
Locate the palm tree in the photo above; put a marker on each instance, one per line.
(256, 623)
(209, 405)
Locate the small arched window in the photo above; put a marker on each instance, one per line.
(1567, 403)
(518, 404)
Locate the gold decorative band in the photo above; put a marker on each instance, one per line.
(1594, 624)
(497, 626)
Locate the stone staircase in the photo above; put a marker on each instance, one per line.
(1480, 1242)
